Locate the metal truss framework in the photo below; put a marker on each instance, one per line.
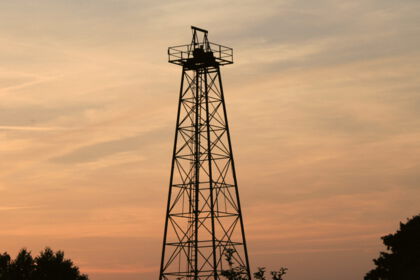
(203, 217)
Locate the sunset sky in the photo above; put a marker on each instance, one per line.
(323, 104)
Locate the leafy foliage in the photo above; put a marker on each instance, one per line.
(234, 272)
(240, 273)
(49, 265)
(403, 260)
(275, 275)
(278, 275)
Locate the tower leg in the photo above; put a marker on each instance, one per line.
(165, 231)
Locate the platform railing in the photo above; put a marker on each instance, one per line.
(181, 54)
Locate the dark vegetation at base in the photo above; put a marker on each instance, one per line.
(239, 272)
(49, 265)
(402, 261)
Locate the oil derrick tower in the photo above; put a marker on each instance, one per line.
(203, 216)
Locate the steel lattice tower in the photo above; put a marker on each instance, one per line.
(203, 217)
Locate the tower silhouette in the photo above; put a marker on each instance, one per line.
(203, 217)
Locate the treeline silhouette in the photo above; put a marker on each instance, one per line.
(402, 261)
(49, 265)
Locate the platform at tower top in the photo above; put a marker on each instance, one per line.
(200, 53)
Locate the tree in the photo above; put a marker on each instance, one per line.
(234, 272)
(275, 275)
(239, 272)
(23, 266)
(278, 275)
(49, 265)
(4, 266)
(403, 260)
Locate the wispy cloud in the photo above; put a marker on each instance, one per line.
(30, 128)
(14, 208)
(95, 151)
